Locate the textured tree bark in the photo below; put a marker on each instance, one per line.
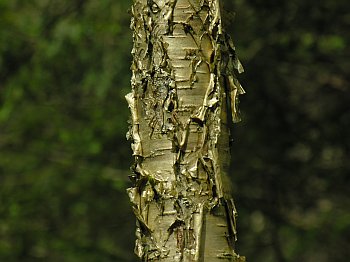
(183, 90)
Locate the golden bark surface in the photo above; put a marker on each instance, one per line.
(183, 86)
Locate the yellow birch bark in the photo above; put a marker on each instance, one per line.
(184, 89)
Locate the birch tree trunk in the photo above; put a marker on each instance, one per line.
(183, 101)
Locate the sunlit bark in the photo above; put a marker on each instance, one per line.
(183, 86)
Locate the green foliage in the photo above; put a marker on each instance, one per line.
(64, 71)
(291, 150)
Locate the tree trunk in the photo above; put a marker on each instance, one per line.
(183, 86)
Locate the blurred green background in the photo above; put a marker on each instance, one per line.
(64, 159)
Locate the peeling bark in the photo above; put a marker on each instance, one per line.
(183, 100)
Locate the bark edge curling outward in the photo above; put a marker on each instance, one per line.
(184, 99)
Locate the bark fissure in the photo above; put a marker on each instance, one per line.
(183, 77)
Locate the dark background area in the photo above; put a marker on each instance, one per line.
(64, 159)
